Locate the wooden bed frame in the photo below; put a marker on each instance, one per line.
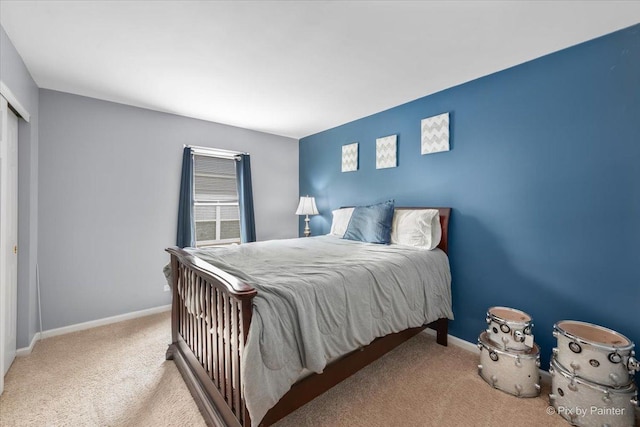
(207, 343)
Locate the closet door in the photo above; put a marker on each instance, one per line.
(8, 236)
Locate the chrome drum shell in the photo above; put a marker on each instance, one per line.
(513, 372)
(509, 329)
(587, 404)
(595, 353)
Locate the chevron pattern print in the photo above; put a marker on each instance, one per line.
(350, 157)
(386, 152)
(435, 134)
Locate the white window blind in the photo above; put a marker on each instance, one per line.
(215, 192)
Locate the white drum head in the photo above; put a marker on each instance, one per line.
(593, 333)
(509, 314)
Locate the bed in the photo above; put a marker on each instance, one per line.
(215, 302)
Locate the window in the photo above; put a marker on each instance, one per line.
(215, 197)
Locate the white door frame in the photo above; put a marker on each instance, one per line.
(8, 236)
(3, 132)
(15, 103)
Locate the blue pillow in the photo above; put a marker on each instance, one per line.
(371, 224)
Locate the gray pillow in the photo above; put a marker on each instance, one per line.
(371, 224)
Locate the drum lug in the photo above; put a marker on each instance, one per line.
(537, 386)
(572, 385)
(634, 401)
(615, 357)
(538, 363)
(488, 319)
(505, 340)
(633, 364)
(555, 351)
(552, 371)
(518, 361)
(552, 397)
(479, 368)
(494, 380)
(479, 345)
(606, 398)
(518, 390)
(575, 366)
(555, 334)
(518, 336)
(575, 347)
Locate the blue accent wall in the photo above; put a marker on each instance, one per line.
(543, 177)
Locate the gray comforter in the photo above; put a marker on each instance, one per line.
(322, 297)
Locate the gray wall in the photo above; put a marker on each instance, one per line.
(109, 185)
(15, 75)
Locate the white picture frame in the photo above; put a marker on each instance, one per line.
(350, 157)
(387, 152)
(435, 134)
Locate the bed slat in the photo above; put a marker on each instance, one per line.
(214, 337)
(235, 357)
(227, 352)
(220, 332)
(207, 326)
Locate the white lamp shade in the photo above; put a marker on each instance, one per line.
(307, 206)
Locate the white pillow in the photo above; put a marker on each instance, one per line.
(341, 218)
(416, 227)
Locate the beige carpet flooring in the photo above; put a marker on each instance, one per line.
(116, 375)
(113, 375)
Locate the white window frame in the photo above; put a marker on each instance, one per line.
(218, 220)
(222, 154)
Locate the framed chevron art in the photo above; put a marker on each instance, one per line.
(350, 157)
(435, 134)
(386, 156)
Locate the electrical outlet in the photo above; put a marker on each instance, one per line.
(167, 288)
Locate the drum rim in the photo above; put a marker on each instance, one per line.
(557, 367)
(509, 322)
(581, 340)
(528, 354)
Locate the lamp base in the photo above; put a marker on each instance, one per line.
(307, 230)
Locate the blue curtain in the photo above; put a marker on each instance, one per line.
(245, 194)
(186, 225)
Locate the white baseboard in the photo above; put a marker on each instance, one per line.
(91, 324)
(25, 351)
(472, 347)
(458, 342)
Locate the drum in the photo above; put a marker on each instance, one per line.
(587, 404)
(510, 328)
(595, 353)
(513, 373)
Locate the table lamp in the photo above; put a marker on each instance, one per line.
(307, 206)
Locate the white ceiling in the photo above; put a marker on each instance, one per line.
(290, 68)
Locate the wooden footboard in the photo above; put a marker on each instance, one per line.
(211, 314)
